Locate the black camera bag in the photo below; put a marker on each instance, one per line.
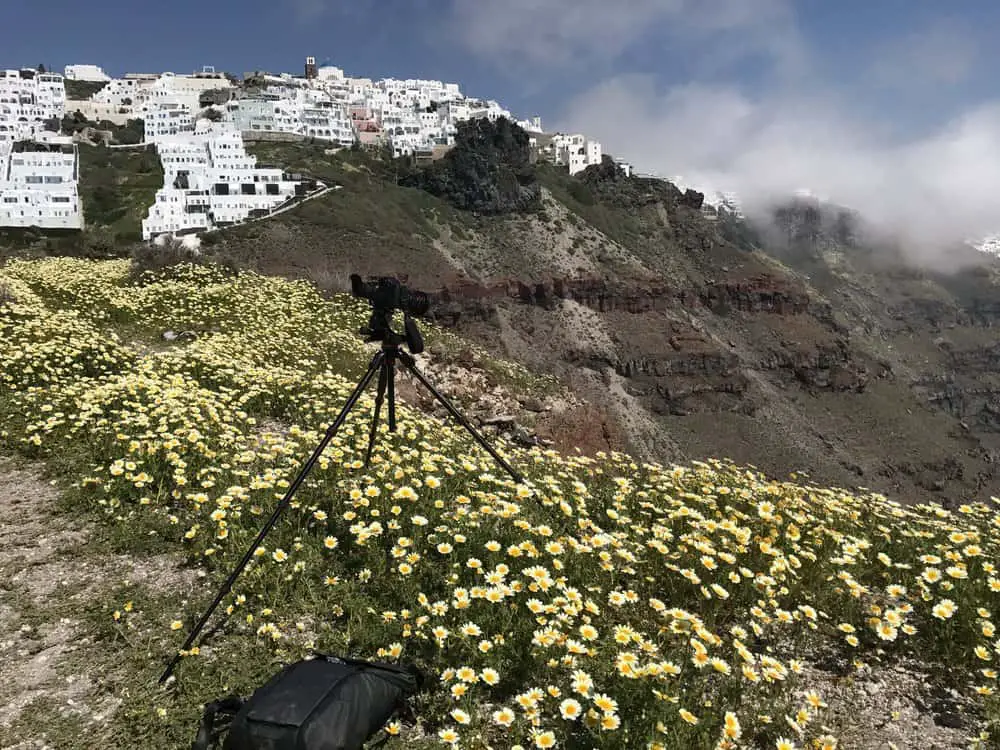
(324, 703)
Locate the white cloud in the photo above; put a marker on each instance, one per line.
(559, 33)
(932, 190)
(794, 129)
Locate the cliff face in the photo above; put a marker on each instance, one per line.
(689, 335)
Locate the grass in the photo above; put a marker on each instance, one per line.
(628, 228)
(83, 89)
(604, 603)
(117, 187)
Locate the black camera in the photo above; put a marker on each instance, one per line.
(386, 295)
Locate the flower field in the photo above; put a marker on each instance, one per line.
(605, 603)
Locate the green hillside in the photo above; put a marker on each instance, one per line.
(606, 602)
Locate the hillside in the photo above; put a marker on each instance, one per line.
(692, 336)
(688, 335)
(605, 602)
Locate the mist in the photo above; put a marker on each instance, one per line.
(930, 192)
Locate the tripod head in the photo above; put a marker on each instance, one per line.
(386, 295)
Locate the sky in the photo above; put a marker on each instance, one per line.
(891, 107)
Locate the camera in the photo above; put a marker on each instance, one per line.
(386, 295)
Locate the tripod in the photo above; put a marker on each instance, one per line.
(384, 364)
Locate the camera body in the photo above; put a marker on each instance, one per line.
(386, 295)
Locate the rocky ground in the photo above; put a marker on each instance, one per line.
(61, 682)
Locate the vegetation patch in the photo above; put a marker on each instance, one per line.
(82, 90)
(488, 171)
(117, 187)
(603, 603)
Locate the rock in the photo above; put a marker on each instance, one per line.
(505, 420)
(949, 719)
(169, 335)
(531, 403)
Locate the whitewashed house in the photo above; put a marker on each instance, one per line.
(624, 166)
(38, 184)
(211, 181)
(166, 121)
(28, 99)
(534, 125)
(90, 73)
(575, 152)
(129, 91)
(489, 110)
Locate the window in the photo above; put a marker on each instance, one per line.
(53, 180)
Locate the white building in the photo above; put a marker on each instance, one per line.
(125, 92)
(148, 96)
(211, 181)
(576, 152)
(489, 110)
(97, 111)
(85, 73)
(28, 99)
(267, 113)
(534, 125)
(305, 112)
(185, 90)
(38, 184)
(168, 120)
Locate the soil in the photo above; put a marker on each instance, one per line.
(55, 664)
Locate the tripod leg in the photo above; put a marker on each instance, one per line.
(383, 378)
(392, 393)
(459, 417)
(374, 367)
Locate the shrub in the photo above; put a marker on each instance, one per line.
(153, 259)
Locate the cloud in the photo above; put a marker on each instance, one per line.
(930, 190)
(306, 11)
(572, 33)
(942, 53)
(758, 110)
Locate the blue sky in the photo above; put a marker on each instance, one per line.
(856, 99)
(526, 67)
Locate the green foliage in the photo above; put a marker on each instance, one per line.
(81, 90)
(590, 204)
(117, 187)
(488, 171)
(155, 259)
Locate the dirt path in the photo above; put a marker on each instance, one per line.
(56, 590)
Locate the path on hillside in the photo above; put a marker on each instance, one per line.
(311, 196)
(57, 690)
